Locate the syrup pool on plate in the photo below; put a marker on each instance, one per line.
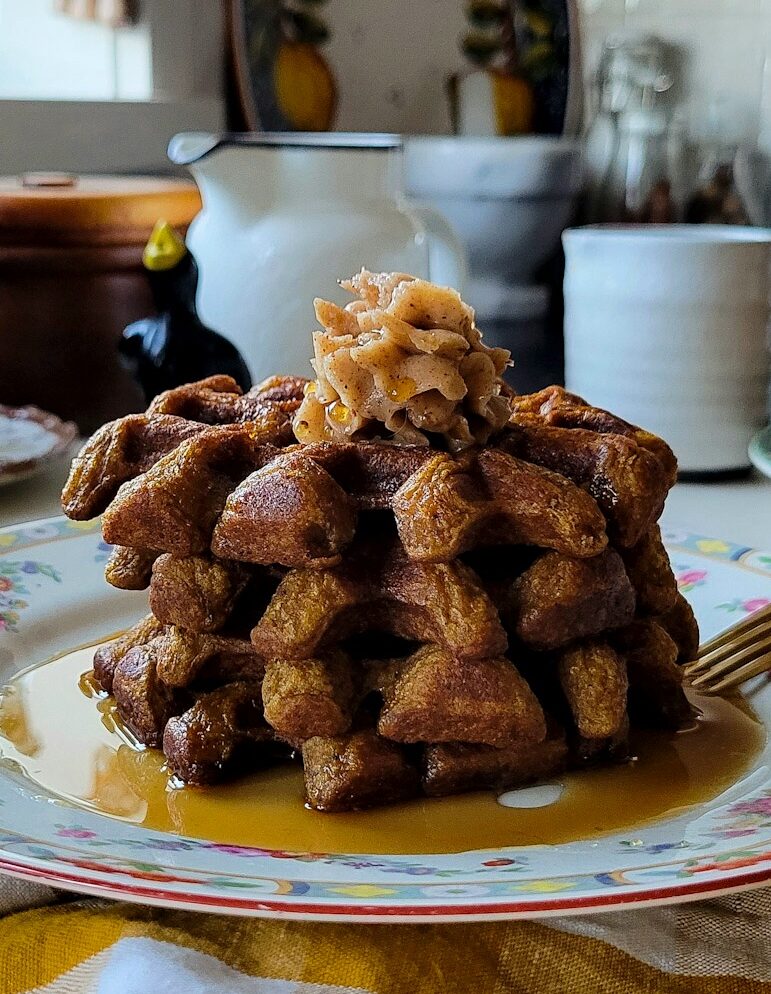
(59, 733)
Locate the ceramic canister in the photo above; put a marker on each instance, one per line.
(666, 326)
(71, 279)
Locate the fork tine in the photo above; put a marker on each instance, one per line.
(733, 679)
(734, 662)
(706, 660)
(728, 636)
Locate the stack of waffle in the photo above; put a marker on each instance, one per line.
(404, 618)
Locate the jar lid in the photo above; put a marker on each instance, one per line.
(63, 209)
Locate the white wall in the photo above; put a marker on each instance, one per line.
(120, 130)
(392, 62)
(728, 53)
(45, 55)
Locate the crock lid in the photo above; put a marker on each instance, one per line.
(59, 208)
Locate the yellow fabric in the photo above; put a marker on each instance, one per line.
(522, 957)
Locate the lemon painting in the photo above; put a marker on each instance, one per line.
(284, 79)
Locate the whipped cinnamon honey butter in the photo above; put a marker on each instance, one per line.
(405, 359)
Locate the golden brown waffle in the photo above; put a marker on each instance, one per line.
(211, 476)
(160, 678)
(357, 771)
(558, 600)
(452, 505)
(409, 619)
(301, 507)
(309, 697)
(474, 722)
(127, 448)
(626, 479)
(145, 702)
(655, 680)
(557, 407)
(681, 626)
(223, 732)
(380, 589)
(129, 569)
(594, 681)
(647, 566)
(119, 451)
(432, 696)
(188, 659)
(174, 506)
(454, 768)
(108, 656)
(197, 593)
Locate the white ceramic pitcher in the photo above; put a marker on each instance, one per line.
(284, 217)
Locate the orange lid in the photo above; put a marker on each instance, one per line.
(59, 208)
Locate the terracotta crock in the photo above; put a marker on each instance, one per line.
(71, 279)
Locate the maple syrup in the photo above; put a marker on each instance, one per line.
(63, 735)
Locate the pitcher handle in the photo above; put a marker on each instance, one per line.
(447, 263)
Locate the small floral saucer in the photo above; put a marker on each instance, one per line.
(29, 440)
(53, 598)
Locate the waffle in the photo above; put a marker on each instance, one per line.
(557, 407)
(197, 593)
(356, 771)
(449, 507)
(648, 569)
(187, 659)
(558, 600)
(655, 680)
(455, 767)
(593, 678)
(311, 697)
(433, 696)
(108, 656)
(127, 448)
(380, 590)
(144, 700)
(223, 732)
(397, 606)
(681, 626)
(129, 569)
(187, 487)
(623, 478)
(197, 697)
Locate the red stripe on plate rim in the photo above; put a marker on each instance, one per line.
(363, 913)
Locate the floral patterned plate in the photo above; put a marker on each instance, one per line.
(53, 597)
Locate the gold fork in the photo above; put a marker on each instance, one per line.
(736, 655)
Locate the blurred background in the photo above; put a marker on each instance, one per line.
(516, 119)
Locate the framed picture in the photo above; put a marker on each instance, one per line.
(317, 65)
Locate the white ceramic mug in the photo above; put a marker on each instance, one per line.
(666, 326)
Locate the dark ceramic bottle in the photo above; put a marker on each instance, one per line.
(175, 347)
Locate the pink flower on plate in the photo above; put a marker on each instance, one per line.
(691, 578)
(754, 806)
(76, 833)
(755, 604)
